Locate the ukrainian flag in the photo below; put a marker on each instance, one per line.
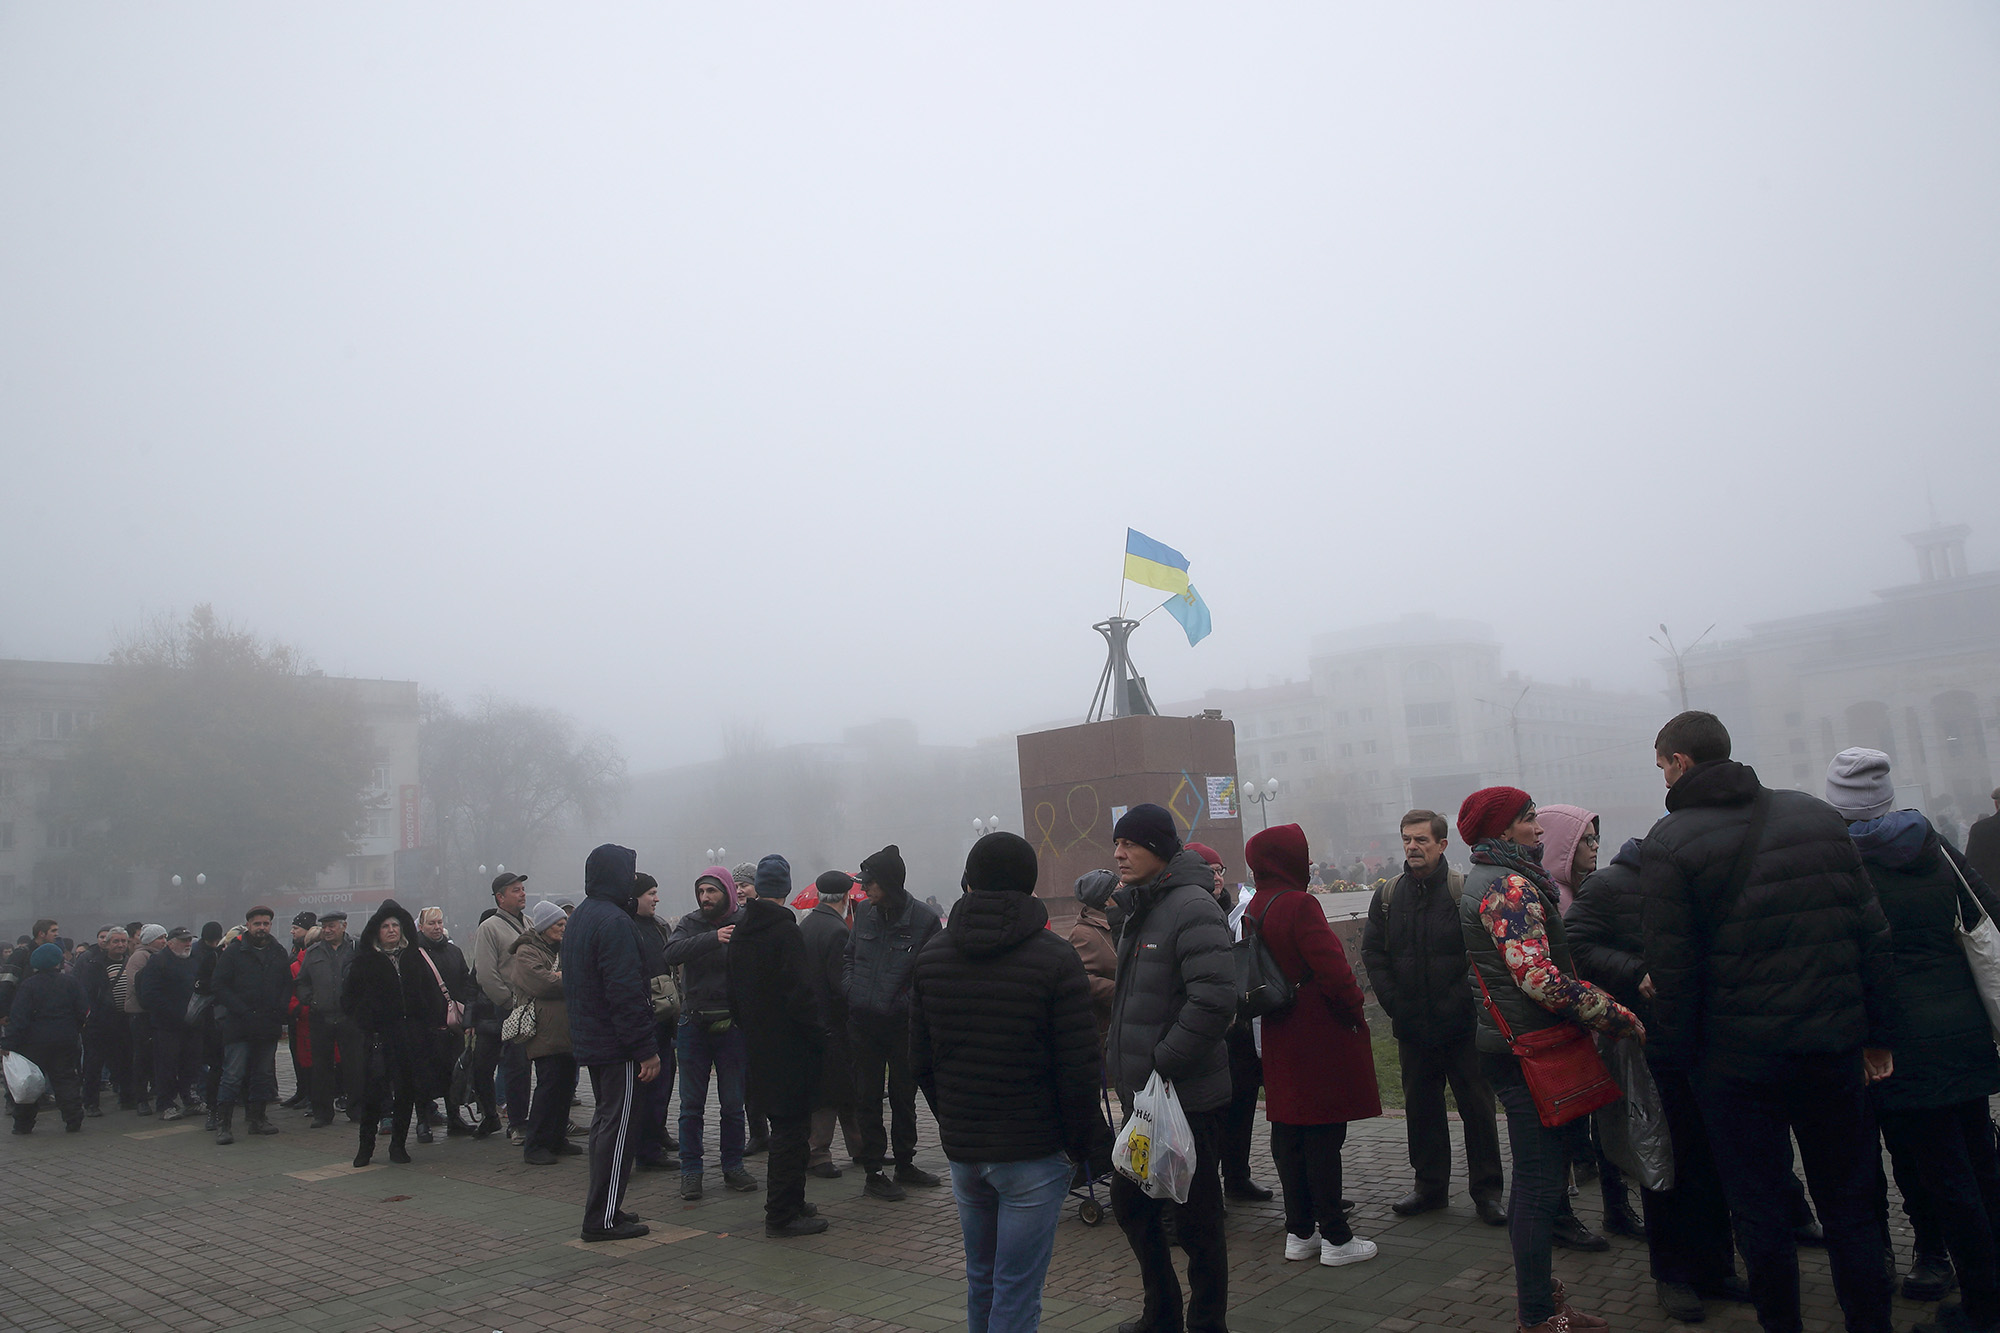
(1154, 564)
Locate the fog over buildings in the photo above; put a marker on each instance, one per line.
(793, 372)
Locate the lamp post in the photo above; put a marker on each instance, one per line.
(1680, 658)
(982, 827)
(199, 881)
(1250, 792)
(715, 855)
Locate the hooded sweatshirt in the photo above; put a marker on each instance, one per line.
(1563, 827)
(703, 961)
(1002, 1038)
(604, 966)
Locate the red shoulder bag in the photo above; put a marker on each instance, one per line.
(1564, 1072)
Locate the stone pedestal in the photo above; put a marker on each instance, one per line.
(1075, 781)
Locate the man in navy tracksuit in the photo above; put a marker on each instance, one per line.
(610, 1028)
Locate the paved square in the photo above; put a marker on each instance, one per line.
(279, 1233)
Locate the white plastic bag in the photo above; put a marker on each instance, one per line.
(1981, 942)
(25, 1080)
(1155, 1150)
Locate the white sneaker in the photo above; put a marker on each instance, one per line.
(1296, 1249)
(1354, 1252)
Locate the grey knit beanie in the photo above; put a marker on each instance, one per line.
(1858, 785)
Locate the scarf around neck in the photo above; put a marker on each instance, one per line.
(1523, 861)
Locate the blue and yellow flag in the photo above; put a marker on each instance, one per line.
(1154, 564)
(1192, 612)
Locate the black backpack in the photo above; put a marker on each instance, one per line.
(1262, 988)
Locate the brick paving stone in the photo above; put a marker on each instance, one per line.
(280, 1233)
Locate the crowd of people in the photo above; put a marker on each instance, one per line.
(1790, 968)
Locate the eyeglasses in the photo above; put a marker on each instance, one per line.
(1589, 840)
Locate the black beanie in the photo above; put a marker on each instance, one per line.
(833, 885)
(885, 868)
(774, 877)
(1001, 863)
(1152, 828)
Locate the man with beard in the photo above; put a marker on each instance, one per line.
(708, 1042)
(825, 932)
(253, 982)
(770, 998)
(322, 986)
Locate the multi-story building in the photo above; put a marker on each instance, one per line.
(1418, 713)
(1915, 674)
(44, 871)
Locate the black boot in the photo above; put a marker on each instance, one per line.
(225, 1124)
(255, 1121)
(366, 1152)
(399, 1142)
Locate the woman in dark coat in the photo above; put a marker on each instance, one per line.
(392, 996)
(1933, 1110)
(455, 975)
(1319, 1066)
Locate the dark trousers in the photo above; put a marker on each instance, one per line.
(755, 1119)
(59, 1065)
(548, 1111)
(107, 1046)
(333, 1075)
(1198, 1224)
(1426, 1072)
(1821, 1101)
(249, 1073)
(1540, 1193)
(611, 1142)
(881, 1048)
(211, 1058)
(301, 1080)
(1246, 1077)
(656, 1099)
(1952, 1150)
(1688, 1233)
(493, 1057)
(785, 1170)
(141, 1028)
(1308, 1158)
(819, 1141)
(176, 1064)
(1904, 1142)
(389, 1090)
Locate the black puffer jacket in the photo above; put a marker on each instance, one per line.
(1176, 994)
(1607, 929)
(1414, 954)
(1799, 964)
(253, 990)
(772, 1001)
(882, 953)
(165, 988)
(1002, 1039)
(1944, 1050)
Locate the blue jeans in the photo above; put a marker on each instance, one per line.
(255, 1062)
(696, 1053)
(1540, 1190)
(1008, 1212)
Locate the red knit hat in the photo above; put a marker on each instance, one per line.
(1488, 811)
(1278, 858)
(1206, 853)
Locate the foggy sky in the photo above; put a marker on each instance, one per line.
(805, 364)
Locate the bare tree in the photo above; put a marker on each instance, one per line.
(504, 777)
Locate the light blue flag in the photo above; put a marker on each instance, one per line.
(1188, 608)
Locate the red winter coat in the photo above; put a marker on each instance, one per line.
(1319, 1066)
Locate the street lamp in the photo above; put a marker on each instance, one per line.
(1258, 798)
(1680, 658)
(981, 827)
(715, 855)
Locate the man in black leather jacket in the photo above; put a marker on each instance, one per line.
(890, 930)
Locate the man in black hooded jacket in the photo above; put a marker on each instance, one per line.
(1004, 1045)
(1771, 966)
(770, 998)
(610, 1028)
